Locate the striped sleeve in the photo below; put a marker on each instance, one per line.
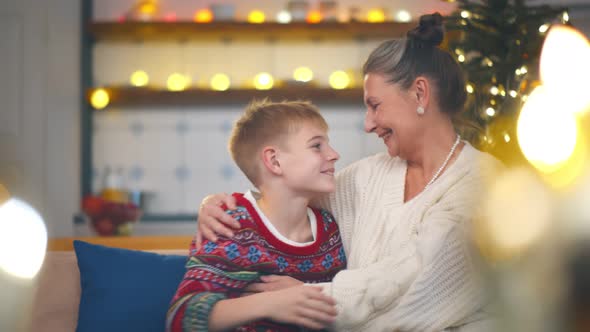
(214, 272)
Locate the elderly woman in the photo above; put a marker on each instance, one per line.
(404, 214)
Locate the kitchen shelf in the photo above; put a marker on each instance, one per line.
(146, 97)
(158, 31)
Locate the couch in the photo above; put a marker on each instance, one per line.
(57, 287)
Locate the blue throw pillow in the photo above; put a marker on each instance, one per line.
(125, 290)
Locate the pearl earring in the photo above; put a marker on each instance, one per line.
(420, 110)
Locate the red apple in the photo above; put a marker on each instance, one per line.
(104, 227)
(92, 206)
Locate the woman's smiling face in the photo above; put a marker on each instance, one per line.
(391, 113)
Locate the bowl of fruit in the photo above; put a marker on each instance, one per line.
(110, 218)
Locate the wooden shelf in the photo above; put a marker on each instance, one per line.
(145, 97)
(154, 31)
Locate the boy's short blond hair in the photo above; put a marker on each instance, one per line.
(264, 122)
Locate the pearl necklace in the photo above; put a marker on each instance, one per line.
(444, 164)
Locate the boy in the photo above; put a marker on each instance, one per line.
(283, 149)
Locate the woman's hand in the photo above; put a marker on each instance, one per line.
(213, 220)
(273, 283)
(302, 305)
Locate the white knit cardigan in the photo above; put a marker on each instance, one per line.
(410, 266)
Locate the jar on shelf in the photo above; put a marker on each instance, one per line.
(113, 186)
(298, 10)
(329, 10)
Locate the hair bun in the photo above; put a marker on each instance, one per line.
(429, 31)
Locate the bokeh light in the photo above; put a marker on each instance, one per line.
(203, 16)
(339, 80)
(403, 16)
(177, 82)
(314, 16)
(546, 134)
(220, 82)
(263, 81)
(23, 239)
(516, 213)
(284, 17)
(256, 17)
(99, 98)
(376, 15)
(564, 67)
(302, 74)
(139, 78)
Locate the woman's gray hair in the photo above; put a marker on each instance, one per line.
(385, 59)
(401, 61)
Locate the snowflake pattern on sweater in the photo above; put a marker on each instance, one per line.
(220, 270)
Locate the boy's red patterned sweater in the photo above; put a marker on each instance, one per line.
(220, 270)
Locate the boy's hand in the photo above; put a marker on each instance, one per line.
(212, 219)
(302, 305)
(273, 283)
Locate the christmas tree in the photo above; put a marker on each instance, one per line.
(498, 44)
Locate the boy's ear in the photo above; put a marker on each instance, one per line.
(270, 160)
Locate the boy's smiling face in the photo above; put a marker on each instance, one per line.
(307, 160)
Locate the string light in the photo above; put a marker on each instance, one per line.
(139, 78)
(256, 17)
(494, 90)
(565, 17)
(403, 16)
(284, 17)
(469, 88)
(177, 82)
(543, 28)
(314, 16)
(99, 98)
(339, 80)
(490, 111)
(461, 58)
(220, 82)
(263, 81)
(506, 138)
(203, 16)
(465, 14)
(302, 74)
(375, 15)
(513, 93)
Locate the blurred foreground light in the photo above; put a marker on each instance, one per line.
(302, 74)
(263, 81)
(23, 239)
(139, 78)
(376, 15)
(547, 134)
(284, 17)
(517, 213)
(339, 80)
(220, 82)
(177, 82)
(256, 16)
(565, 68)
(99, 98)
